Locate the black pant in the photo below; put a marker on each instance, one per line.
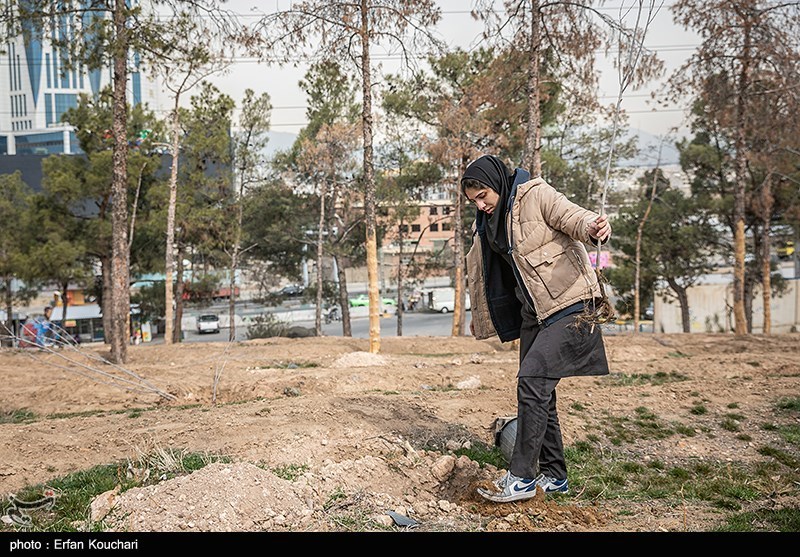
(538, 447)
(538, 442)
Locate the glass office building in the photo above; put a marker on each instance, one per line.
(37, 85)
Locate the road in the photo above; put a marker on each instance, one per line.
(420, 323)
(414, 324)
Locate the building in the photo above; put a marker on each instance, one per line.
(425, 239)
(36, 89)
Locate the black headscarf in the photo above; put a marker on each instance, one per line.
(492, 172)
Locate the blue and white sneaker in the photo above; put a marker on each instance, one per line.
(503, 481)
(552, 485)
(510, 488)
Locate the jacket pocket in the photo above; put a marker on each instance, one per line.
(554, 269)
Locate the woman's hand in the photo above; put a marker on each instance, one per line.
(600, 228)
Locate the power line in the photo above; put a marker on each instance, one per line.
(397, 57)
(169, 110)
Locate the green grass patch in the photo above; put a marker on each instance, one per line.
(17, 416)
(607, 475)
(74, 492)
(781, 456)
(790, 433)
(685, 430)
(658, 378)
(335, 498)
(286, 365)
(483, 454)
(83, 414)
(90, 413)
(188, 406)
(644, 425)
(763, 520)
(698, 409)
(792, 404)
(733, 405)
(729, 424)
(577, 406)
(290, 472)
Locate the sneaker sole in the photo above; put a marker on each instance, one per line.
(500, 498)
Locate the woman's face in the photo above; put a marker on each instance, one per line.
(485, 199)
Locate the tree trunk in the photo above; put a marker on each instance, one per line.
(232, 297)
(178, 328)
(170, 252)
(344, 303)
(683, 300)
(766, 278)
(532, 158)
(639, 234)
(748, 304)
(120, 271)
(369, 188)
(739, 187)
(237, 240)
(320, 237)
(400, 309)
(105, 264)
(9, 324)
(64, 304)
(459, 303)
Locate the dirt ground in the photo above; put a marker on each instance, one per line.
(372, 435)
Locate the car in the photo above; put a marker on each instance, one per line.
(362, 300)
(786, 250)
(292, 290)
(208, 324)
(443, 300)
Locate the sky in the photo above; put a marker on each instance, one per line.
(458, 28)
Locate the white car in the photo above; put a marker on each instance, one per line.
(208, 324)
(443, 300)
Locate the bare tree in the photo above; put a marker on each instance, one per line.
(568, 32)
(102, 34)
(249, 145)
(348, 31)
(639, 233)
(743, 40)
(327, 159)
(190, 62)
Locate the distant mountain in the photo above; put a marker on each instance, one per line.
(279, 141)
(647, 143)
(648, 150)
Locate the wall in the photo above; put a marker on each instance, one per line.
(711, 309)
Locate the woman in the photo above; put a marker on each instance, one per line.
(530, 279)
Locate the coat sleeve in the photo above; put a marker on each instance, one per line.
(564, 215)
